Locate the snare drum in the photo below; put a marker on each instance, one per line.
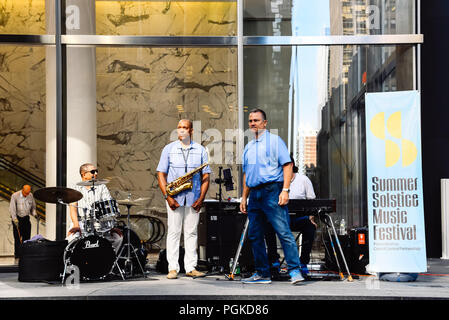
(93, 255)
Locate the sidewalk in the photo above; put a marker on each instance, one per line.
(433, 285)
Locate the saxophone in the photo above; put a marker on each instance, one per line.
(182, 183)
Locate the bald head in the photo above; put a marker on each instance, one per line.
(185, 130)
(26, 189)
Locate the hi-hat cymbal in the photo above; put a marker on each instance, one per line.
(57, 195)
(128, 202)
(141, 199)
(89, 183)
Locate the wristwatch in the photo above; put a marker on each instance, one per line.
(286, 190)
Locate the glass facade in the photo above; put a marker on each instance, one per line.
(123, 100)
(328, 17)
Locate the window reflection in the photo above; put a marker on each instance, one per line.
(325, 87)
(321, 17)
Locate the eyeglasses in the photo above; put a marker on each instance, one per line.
(92, 171)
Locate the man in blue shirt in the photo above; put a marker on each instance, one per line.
(177, 159)
(300, 188)
(267, 172)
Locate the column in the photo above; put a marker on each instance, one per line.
(81, 101)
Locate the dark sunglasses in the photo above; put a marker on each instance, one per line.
(92, 171)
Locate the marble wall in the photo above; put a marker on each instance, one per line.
(22, 17)
(143, 92)
(22, 107)
(167, 18)
(22, 103)
(141, 95)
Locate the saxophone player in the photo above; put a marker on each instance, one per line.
(178, 159)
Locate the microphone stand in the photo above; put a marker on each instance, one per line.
(219, 269)
(219, 181)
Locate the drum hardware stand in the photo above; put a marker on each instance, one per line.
(128, 262)
(94, 212)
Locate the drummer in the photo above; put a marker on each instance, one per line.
(99, 192)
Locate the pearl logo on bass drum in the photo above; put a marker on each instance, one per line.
(88, 245)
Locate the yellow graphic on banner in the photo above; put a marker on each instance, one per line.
(392, 150)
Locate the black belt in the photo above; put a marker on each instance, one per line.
(263, 185)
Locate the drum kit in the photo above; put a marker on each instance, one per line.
(92, 251)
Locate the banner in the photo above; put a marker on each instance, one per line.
(394, 182)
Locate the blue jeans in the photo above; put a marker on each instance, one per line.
(263, 207)
(305, 227)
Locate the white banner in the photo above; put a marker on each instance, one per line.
(394, 182)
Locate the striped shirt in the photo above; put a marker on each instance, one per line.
(88, 199)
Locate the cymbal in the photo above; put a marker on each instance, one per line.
(92, 182)
(128, 202)
(141, 199)
(57, 194)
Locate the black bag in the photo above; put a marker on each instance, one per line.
(162, 263)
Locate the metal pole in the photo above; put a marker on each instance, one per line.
(241, 127)
(61, 111)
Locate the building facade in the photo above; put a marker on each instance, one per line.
(107, 81)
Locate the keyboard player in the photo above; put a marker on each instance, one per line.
(300, 188)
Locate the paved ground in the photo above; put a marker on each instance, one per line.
(216, 297)
(433, 284)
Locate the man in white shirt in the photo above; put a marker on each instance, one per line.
(21, 205)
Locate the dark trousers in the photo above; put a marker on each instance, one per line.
(25, 233)
(305, 227)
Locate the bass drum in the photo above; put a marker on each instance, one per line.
(139, 248)
(93, 255)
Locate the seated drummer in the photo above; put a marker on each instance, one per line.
(88, 171)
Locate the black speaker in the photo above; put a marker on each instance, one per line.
(42, 261)
(355, 249)
(358, 253)
(329, 259)
(219, 231)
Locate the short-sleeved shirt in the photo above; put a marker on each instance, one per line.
(176, 161)
(90, 197)
(301, 188)
(263, 159)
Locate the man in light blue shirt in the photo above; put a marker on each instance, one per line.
(267, 172)
(177, 159)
